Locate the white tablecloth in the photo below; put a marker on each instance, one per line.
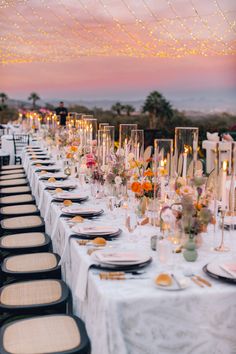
(133, 316)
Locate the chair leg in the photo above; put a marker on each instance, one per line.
(69, 309)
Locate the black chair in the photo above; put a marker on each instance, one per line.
(31, 266)
(18, 199)
(51, 334)
(18, 210)
(12, 182)
(27, 242)
(9, 177)
(11, 169)
(20, 141)
(4, 159)
(20, 224)
(15, 191)
(34, 297)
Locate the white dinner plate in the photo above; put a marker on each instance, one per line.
(43, 162)
(71, 196)
(95, 230)
(55, 175)
(215, 268)
(60, 184)
(137, 259)
(74, 209)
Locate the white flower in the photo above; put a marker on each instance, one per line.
(168, 216)
(118, 180)
(83, 168)
(120, 152)
(186, 190)
(105, 168)
(131, 156)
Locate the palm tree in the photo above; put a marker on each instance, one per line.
(128, 109)
(117, 107)
(34, 97)
(3, 98)
(158, 108)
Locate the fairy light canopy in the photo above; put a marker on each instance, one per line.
(62, 30)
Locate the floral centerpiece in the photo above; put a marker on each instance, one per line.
(116, 173)
(195, 214)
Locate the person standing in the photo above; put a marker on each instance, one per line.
(62, 112)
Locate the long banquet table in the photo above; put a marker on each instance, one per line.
(134, 316)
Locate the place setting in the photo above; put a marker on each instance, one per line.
(42, 162)
(84, 212)
(74, 197)
(93, 232)
(43, 169)
(119, 260)
(222, 271)
(54, 176)
(64, 184)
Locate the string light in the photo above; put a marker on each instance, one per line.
(56, 31)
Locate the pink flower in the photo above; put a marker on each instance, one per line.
(186, 190)
(90, 160)
(227, 137)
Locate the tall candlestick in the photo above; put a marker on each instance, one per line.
(103, 153)
(185, 155)
(162, 178)
(223, 186)
(126, 153)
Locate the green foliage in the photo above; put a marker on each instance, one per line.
(34, 97)
(117, 107)
(159, 109)
(7, 114)
(80, 109)
(3, 98)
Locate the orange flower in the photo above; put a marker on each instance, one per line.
(147, 186)
(74, 148)
(148, 173)
(68, 155)
(136, 187)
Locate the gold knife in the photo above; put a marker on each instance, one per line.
(204, 281)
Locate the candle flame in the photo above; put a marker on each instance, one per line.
(186, 148)
(224, 166)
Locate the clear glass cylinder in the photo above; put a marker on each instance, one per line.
(125, 134)
(111, 129)
(185, 155)
(163, 154)
(101, 125)
(137, 143)
(105, 145)
(89, 130)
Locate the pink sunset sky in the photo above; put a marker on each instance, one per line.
(96, 78)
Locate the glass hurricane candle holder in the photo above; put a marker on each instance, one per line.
(90, 131)
(163, 154)
(125, 134)
(111, 129)
(185, 155)
(102, 125)
(137, 143)
(104, 146)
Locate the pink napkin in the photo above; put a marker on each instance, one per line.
(230, 268)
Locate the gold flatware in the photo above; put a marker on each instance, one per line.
(197, 282)
(204, 281)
